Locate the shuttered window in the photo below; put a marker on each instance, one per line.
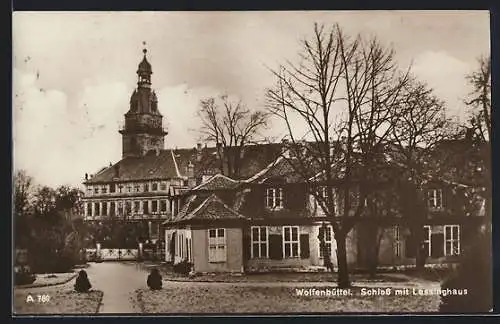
(259, 242)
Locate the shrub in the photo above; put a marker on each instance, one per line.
(474, 273)
(183, 267)
(24, 276)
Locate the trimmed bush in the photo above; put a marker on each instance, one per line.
(474, 273)
(24, 276)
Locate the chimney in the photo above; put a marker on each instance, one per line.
(198, 152)
(117, 171)
(190, 170)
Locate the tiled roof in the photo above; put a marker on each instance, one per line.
(176, 163)
(150, 166)
(211, 208)
(280, 168)
(217, 182)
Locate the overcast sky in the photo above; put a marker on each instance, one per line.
(74, 72)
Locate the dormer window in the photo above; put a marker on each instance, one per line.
(435, 198)
(163, 186)
(274, 198)
(104, 189)
(146, 187)
(112, 188)
(129, 188)
(137, 188)
(96, 190)
(155, 186)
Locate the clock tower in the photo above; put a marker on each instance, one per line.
(143, 130)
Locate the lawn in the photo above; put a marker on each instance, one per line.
(226, 298)
(53, 301)
(276, 277)
(48, 279)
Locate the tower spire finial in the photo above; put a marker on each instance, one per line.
(144, 50)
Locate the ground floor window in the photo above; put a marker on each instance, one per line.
(260, 242)
(427, 240)
(189, 250)
(451, 240)
(217, 245)
(291, 241)
(397, 241)
(327, 233)
(112, 208)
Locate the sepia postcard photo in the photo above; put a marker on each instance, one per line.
(295, 162)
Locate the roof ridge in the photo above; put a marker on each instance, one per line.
(212, 178)
(175, 164)
(192, 213)
(263, 171)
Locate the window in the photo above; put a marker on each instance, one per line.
(155, 186)
(112, 188)
(137, 188)
(217, 245)
(112, 208)
(324, 194)
(259, 241)
(97, 209)
(137, 207)
(120, 208)
(129, 188)
(274, 198)
(427, 239)
(146, 187)
(145, 207)
(154, 206)
(104, 208)
(328, 238)
(120, 188)
(291, 241)
(104, 189)
(163, 186)
(163, 205)
(89, 209)
(397, 241)
(128, 208)
(435, 198)
(189, 250)
(89, 190)
(96, 190)
(451, 240)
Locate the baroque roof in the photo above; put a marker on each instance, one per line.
(210, 209)
(179, 163)
(217, 182)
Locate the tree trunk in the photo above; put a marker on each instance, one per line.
(343, 272)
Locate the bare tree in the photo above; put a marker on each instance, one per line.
(480, 99)
(231, 126)
(480, 118)
(419, 130)
(23, 194)
(346, 92)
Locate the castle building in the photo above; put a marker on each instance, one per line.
(143, 189)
